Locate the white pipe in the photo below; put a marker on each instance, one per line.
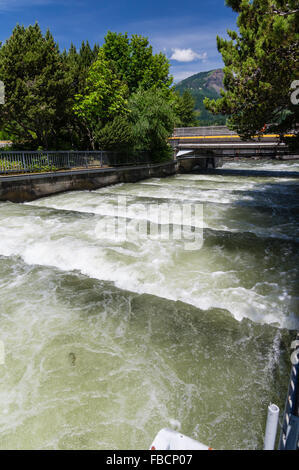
(271, 427)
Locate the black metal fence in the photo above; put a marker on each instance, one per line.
(36, 161)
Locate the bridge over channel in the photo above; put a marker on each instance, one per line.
(207, 146)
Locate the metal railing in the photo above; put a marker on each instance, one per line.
(289, 437)
(36, 161)
(202, 131)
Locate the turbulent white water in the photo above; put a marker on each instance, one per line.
(107, 340)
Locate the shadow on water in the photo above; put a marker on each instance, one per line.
(261, 223)
(230, 172)
(277, 197)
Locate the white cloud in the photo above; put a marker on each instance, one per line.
(187, 55)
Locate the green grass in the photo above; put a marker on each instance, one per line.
(6, 165)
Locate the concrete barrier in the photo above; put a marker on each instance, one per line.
(23, 188)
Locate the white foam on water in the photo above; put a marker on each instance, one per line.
(223, 209)
(268, 165)
(146, 264)
(139, 264)
(87, 366)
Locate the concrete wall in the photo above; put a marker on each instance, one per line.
(24, 188)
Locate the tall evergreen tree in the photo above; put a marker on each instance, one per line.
(37, 88)
(78, 63)
(261, 63)
(184, 106)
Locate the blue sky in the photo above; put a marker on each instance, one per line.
(184, 30)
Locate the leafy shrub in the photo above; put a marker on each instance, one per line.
(116, 135)
(153, 118)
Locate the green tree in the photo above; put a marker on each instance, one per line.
(123, 65)
(116, 135)
(261, 62)
(184, 106)
(78, 63)
(37, 88)
(105, 97)
(134, 62)
(153, 119)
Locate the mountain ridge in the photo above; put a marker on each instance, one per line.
(204, 85)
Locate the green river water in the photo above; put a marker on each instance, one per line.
(109, 340)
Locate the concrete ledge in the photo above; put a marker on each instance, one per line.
(22, 188)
